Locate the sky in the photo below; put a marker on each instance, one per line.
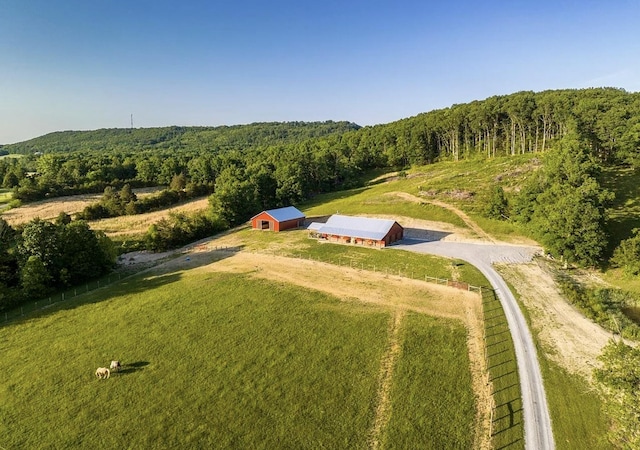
(83, 65)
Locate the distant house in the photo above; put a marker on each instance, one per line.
(357, 230)
(278, 219)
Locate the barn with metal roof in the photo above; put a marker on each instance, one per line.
(358, 231)
(278, 219)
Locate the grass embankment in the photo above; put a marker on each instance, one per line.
(577, 414)
(507, 424)
(217, 360)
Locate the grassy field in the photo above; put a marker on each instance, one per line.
(577, 413)
(576, 409)
(624, 213)
(216, 360)
(242, 351)
(426, 379)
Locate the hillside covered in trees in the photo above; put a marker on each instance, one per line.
(247, 168)
(523, 122)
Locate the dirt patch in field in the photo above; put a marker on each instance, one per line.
(568, 337)
(50, 209)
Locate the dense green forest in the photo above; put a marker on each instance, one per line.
(247, 168)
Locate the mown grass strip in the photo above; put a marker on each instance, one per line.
(432, 403)
(577, 411)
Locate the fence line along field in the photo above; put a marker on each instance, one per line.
(226, 354)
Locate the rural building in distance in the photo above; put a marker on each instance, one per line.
(278, 219)
(357, 230)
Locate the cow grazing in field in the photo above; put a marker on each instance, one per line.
(102, 373)
(115, 366)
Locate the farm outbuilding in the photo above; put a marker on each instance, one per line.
(358, 231)
(278, 219)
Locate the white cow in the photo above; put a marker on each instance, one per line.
(115, 366)
(102, 373)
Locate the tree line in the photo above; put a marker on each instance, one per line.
(261, 166)
(39, 257)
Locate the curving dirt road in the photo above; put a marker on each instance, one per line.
(537, 421)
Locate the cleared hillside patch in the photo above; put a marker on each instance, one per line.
(136, 225)
(374, 200)
(50, 209)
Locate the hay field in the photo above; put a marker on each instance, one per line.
(115, 227)
(50, 209)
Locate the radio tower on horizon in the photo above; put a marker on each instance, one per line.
(132, 121)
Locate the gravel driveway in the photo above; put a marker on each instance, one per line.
(537, 422)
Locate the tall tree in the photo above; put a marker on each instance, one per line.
(620, 378)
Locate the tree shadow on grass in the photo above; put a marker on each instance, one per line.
(169, 272)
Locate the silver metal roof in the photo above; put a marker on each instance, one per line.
(284, 214)
(361, 227)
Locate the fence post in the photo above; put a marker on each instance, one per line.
(63, 296)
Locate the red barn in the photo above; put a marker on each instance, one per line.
(278, 219)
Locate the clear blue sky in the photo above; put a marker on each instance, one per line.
(77, 65)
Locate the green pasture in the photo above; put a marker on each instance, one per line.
(624, 212)
(577, 411)
(221, 361)
(378, 199)
(464, 184)
(428, 377)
